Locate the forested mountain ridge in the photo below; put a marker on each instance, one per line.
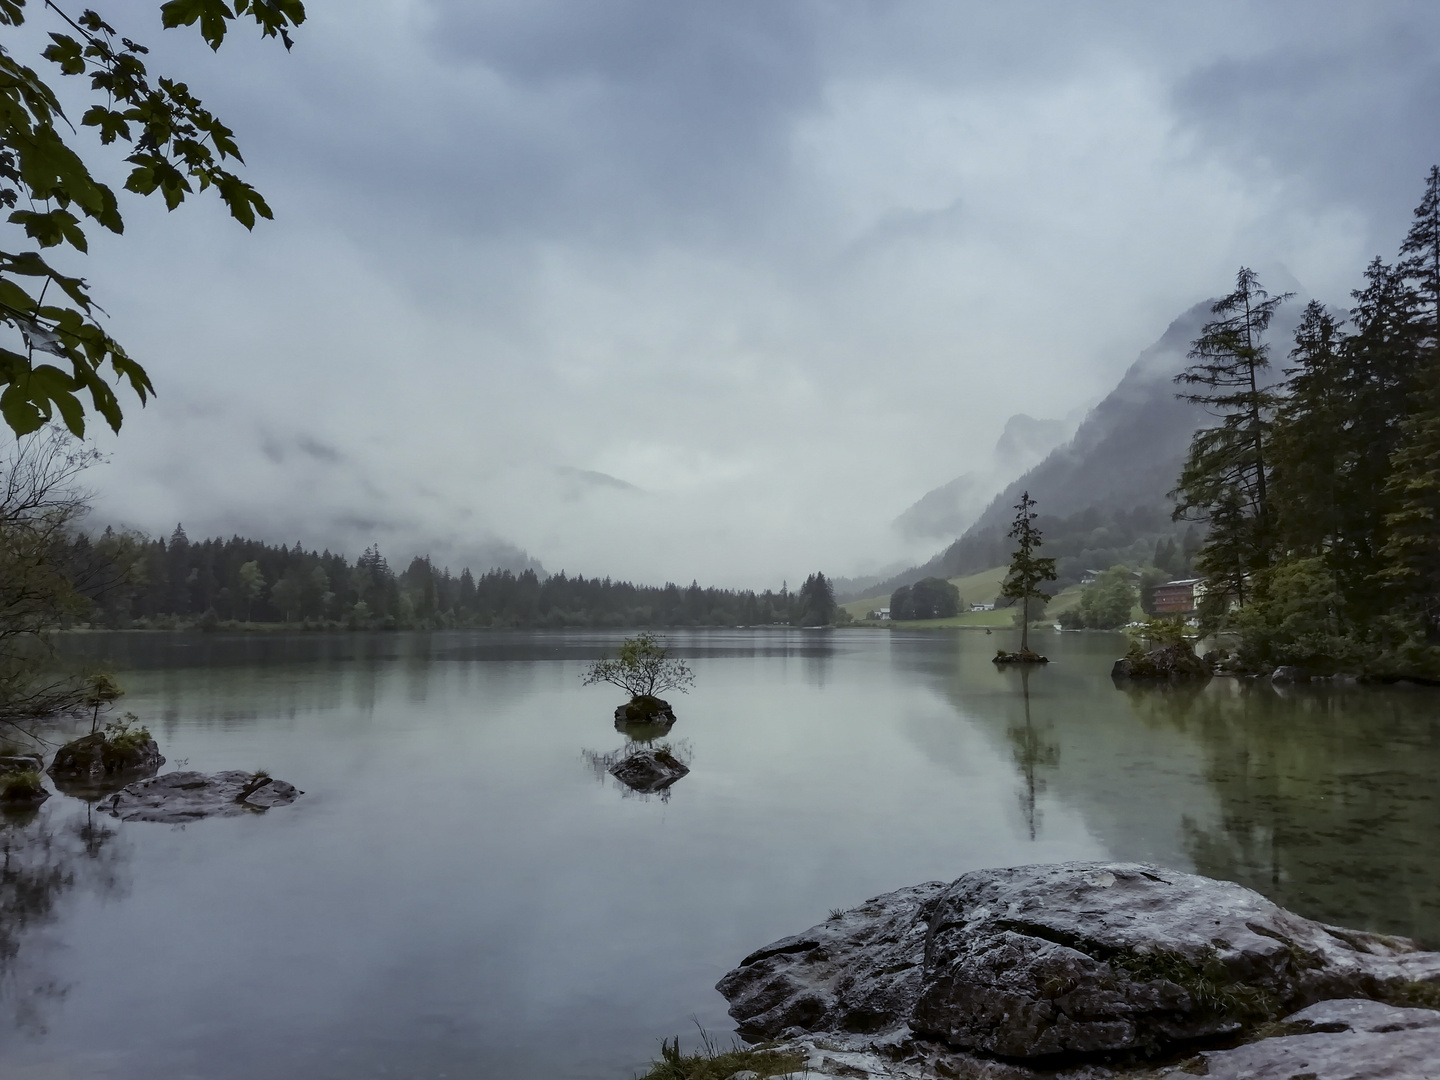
(136, 582)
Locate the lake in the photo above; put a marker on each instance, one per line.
(463, 892)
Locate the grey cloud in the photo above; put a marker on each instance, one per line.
(1351, 118)
(716, 249)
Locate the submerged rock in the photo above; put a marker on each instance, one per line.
(1063, 963)
(649, 771)
(95, 758)
(1165, 663)
(179, 797)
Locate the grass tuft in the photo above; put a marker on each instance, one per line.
(711, 1062)
(20, 785)
(1413, 995)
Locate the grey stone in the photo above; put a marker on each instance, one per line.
(649, 770)
(94, 758)
(859, 972)
(1287, 674)
(1163, 664)
(744, 1074)
(1339, 1040)
(180, 797)
(644, 711)
(1063, 960)
(13, 763)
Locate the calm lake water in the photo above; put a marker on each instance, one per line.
(461, 893)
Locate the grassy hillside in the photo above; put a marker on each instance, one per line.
(981, 588)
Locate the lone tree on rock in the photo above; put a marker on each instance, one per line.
(644, 669)
(1027, 570)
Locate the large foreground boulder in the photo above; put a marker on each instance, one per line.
(180, 797)
(1348, 1039)
(96, 758)
(649, 771)
(1065, 962)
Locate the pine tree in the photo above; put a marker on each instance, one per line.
(1420, 257)
(1028, 571)
(1228, 463)
(1307, 442)
(816, 601)
(1381, 376)
(1412, 549)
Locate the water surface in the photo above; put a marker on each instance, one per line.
(461, 894)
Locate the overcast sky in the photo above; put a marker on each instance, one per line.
(714, 290)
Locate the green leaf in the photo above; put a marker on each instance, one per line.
(112, 124)
(56, 227)
(66, 52)
(20, 412)
(211, 15)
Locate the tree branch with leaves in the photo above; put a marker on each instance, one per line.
(59, 360)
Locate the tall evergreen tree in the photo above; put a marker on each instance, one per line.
(816, 601)
(1412, 548)
(1228, 464)
(1307, 445)
(1028, 571)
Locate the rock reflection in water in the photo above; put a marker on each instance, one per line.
(642, 768)
(40, 864)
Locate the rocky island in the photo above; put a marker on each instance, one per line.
(1089, 971)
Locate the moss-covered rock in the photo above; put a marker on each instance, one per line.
(21, 790)
(1024, 656)
(645, 710)
(1164, 664)
(106, 755)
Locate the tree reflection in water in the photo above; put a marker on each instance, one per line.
(1328, 796)
(1032, 752)
(40, 864)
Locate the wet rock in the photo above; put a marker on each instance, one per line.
(95, 758)
(1064, 962)
(1024, 656)
(1338, 1040)
(21, 789)
(1162, 664)
(644, 710)
(649, 771)
(179, 797)
(859, 972)
(1287, 674)
(13, 763)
